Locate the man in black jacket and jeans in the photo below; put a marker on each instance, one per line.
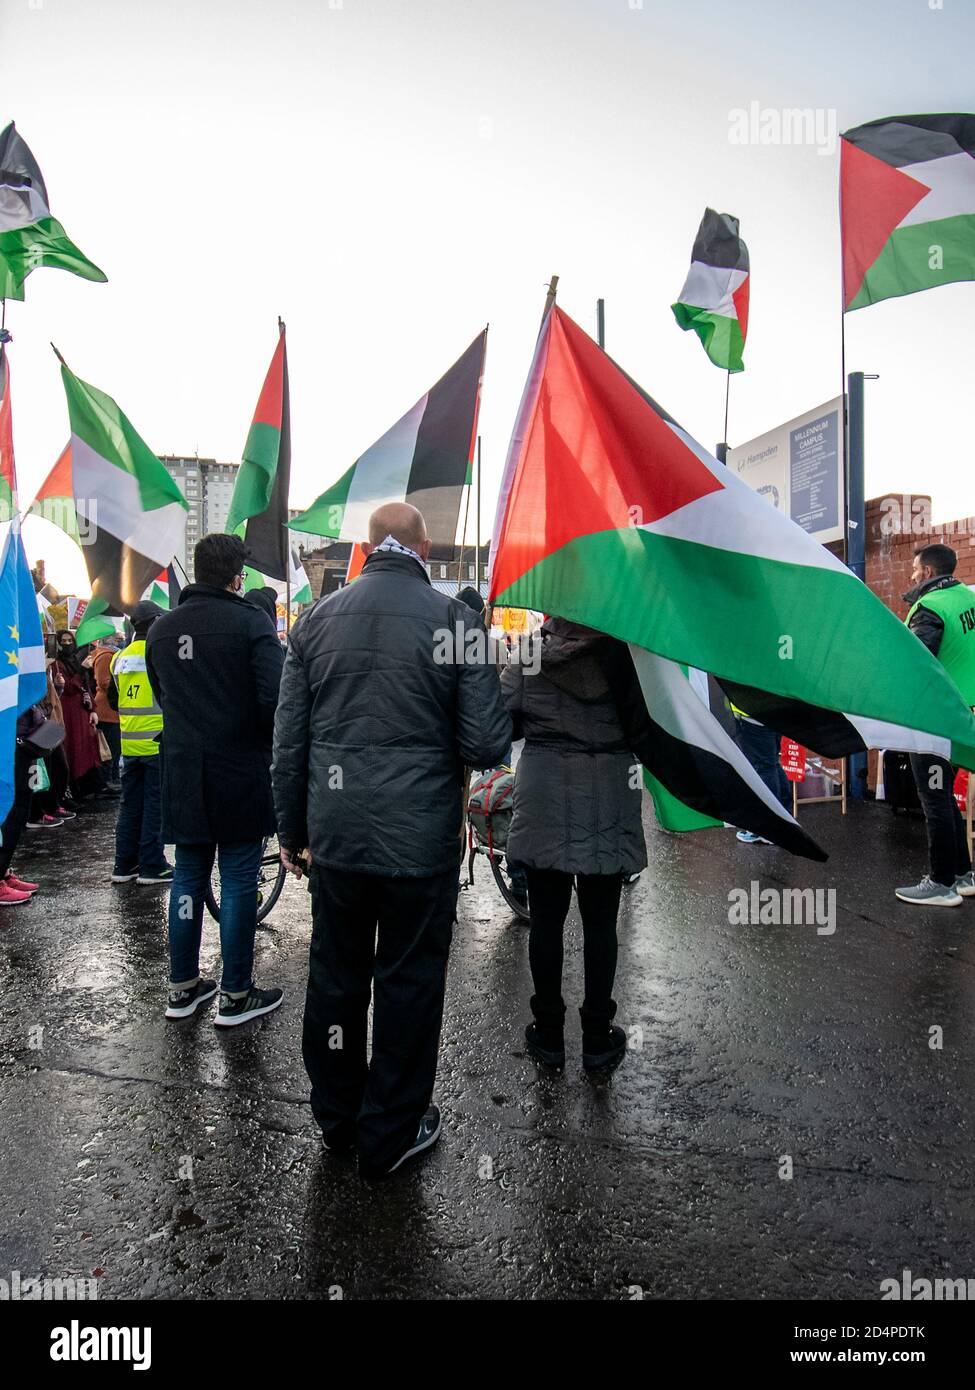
(379, 714)
(215, 663)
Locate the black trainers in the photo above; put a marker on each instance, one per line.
(426, 1136)
(604, 1050)
(124, 875)
(248, 1006)
(183, 1002)
(163, 876)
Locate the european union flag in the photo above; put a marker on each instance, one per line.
(31, 667)
(9, 661)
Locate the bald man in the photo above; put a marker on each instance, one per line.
(379, 714)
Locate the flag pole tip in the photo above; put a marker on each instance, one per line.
(58, 356)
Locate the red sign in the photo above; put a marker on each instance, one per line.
(961, 789)
(792, 756)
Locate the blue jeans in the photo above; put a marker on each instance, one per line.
(240, 863)
(138, 832)
(761, 747)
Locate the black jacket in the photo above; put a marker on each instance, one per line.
(373, 730)
(214, 663)
(578, 804)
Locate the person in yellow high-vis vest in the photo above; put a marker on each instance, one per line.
(942, 616)
(139, 850)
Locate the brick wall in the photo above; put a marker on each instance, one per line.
(896, 526)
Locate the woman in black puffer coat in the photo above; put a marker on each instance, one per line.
(577, 816)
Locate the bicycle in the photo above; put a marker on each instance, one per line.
(271, 874)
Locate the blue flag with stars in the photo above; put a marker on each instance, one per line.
(9, 658)
(31, 667)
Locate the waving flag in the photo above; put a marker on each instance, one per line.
(110, 491)
(907, 206)
(26, 630)
(9, 610)
(611, 515)
(424, 459)
(714, 300)
(261, 492)
(29, 236)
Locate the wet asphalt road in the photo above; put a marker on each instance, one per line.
(182, 1162)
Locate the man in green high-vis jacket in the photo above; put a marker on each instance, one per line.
(942, 615)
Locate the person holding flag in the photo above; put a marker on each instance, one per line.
(23, 678)
(942, 616)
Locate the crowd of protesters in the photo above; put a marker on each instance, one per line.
(352, 749)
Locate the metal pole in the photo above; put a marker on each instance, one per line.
(601, 323)
(477, 522)
(856, 552)
(721, 452)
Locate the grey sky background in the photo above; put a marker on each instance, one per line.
(389, 175)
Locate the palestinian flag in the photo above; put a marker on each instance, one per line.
(424, 459)
(300, 587)
(113, 495)
(611, 515)
(29, 236)
(714, 300)
(165, 588)
(55, 498)
(907, 206)
(261, 492)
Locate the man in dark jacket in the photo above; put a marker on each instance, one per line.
(215, 664)
(378, 716)
(942, 616)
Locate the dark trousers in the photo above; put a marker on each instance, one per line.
(113, 737)
(138, 833)
(549, 897)
(49, 803)
(13, 826)
(761, 747)
(947, 843)
(391, 936)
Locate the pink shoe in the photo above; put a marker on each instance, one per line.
(10, 897)
(21, 885)
(50, 822)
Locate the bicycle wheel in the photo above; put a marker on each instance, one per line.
(271, 874)
(518, 907)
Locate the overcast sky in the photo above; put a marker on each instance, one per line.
(389, 175)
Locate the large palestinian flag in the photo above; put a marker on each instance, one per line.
(907, 206)
(714, 300)
(424, 459)
(110, 492)
(261, 491)
(611, 515)
(29, 236)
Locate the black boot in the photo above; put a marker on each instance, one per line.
(545, 1038)
(603, 1042)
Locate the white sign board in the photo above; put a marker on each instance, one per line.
(798, 467)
